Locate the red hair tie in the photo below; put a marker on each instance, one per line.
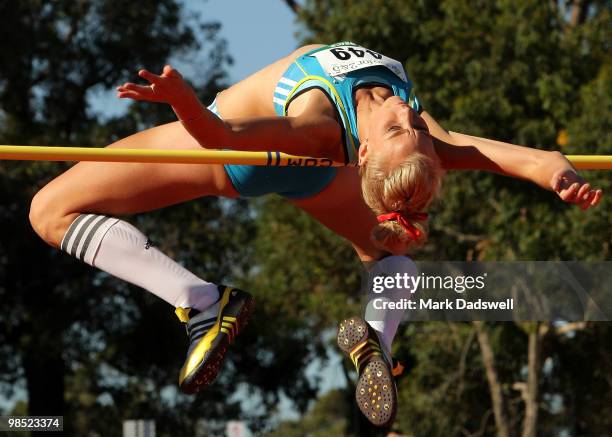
(405, 221)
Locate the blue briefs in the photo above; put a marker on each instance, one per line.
(290, 182)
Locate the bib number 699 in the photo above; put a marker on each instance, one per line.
(344, 54)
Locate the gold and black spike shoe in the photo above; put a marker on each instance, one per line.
(209, 337)
(376, 394)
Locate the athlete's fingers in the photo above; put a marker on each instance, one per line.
(570, 194)
(131, 95)
(592, 199)
(135, 87)
(126, 94)
(171, 71)
(147, 75)
(597, 198)
(168, 70)
(130, 89)
(583, 192)
(585, 203)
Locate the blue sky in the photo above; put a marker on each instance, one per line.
(258, 32)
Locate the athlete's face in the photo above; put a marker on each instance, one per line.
(396, 131)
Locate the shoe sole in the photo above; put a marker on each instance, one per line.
(208, 370)
(375, 394)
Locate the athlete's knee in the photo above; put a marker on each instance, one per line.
(46, 220)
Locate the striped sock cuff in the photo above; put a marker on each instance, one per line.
(85, 234)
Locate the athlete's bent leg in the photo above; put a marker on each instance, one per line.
(75, 212)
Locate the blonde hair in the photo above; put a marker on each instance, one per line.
(407, 189)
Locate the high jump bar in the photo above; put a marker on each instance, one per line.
(191, 156)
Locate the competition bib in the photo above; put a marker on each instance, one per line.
(343, 58)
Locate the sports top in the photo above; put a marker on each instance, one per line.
(338, 70)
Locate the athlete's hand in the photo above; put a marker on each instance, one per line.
(168, 87)
(571, 187)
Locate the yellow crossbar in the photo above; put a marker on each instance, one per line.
(183, 156)
(591, 162)
(172, 156)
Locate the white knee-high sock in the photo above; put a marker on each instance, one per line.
(386, 321)
(120, 249)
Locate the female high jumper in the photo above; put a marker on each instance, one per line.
(343, 102)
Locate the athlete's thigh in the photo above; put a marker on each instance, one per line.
(125, 188)
(341, 208)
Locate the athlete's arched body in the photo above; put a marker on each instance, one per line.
(278, 108)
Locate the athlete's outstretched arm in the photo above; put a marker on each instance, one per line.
(550, 170)
(307, 134)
